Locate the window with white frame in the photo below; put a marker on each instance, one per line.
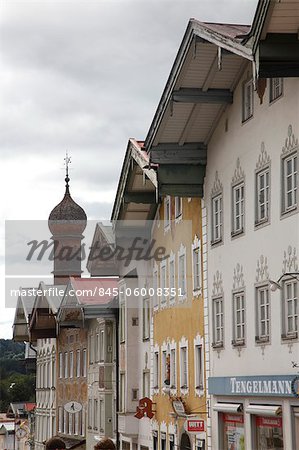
(196, 261)
(71, 361)
(122, 392)
(290, 308)
(167, 212)
(102, 346)
(262, 195)
(77, 421)
(66, 365)
(217, 220)
(172, 290)
(171, 442)
(53, 372)
(155, 287)
(71, 421)
(102, 415)
(218, 323)
(263, 313)
(184, 367)
(163, 366)
(173, 368)
(146, 318)
(60, 419)
(97, 347)
(289, 184)
(238, 211)
(65, 422)
(84, 363)
(122, 315)
(82, 423)
(92, 349)
(239, 317)
(163, 281)
(78, 364)
(198, 367)
(163, 440)
(276, 88)
(156, 370)
(89, 413)
(61, 370)
(182, 272)
(178, 207)
(247, 109)
(95, 414)
(146, 383)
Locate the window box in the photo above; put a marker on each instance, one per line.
(238, 342)
(217, 344)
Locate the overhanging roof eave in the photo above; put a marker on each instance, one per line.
(194, 29)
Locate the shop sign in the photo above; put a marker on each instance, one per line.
(144, 408)
(179, 408)
(233, 418)
(270, 422)
(264, 385)
(195, 426)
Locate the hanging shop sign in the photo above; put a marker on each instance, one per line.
(179, 408)
(263, 385)
(144, 408)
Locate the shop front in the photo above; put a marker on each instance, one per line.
(255, 412)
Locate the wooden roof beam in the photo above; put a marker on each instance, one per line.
(140, 197)
(179, 154)
(194, 95)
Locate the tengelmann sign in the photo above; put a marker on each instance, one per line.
(264, 385)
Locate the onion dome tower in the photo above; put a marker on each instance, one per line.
(67, 222)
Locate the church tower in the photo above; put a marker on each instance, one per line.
(67, 222)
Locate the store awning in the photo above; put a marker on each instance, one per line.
(264, 410)
(228, 407)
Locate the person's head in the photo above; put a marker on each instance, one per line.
(105, 444)
(55, 443)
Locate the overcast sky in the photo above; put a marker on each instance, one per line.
(83, 76)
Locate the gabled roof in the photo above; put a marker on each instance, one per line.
(23, 310)
(20, 408)
(137, 179)
(86, 298)
(207, 68)
(103, 239)
(199, 65)
(43, 319)
(7, 427)
(93, 291)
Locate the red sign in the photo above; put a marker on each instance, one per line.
(233, 418)
(270, 422)
(145, 408)
(195, 426)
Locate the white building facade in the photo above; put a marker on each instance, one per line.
(252, 205)
(45, 414)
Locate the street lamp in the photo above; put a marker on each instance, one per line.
(274, 285)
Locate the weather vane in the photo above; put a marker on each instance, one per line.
(67, 162)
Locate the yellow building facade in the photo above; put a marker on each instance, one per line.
(178, 362)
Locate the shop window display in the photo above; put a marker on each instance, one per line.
(269, 435)
(233, 432)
